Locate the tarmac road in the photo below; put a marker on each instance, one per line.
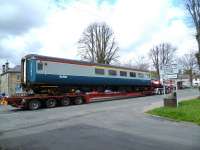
(111, 125)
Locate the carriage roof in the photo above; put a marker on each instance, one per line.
(78, 62)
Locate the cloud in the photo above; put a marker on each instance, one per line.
(17, 19)
(18, 16)
(37, 26)
(168, 26)
(13, 48)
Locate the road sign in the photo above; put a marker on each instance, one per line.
(170, 69)
(172, 76)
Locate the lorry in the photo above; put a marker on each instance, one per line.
(50, 82)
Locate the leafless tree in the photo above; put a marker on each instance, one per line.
(141, 63)
(193, 7)
(189, 64)
(161, 55)
(97, 44)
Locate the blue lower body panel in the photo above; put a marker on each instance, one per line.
(83, 80)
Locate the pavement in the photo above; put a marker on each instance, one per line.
(119, 124)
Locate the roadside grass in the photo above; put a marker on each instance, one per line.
(187, 111)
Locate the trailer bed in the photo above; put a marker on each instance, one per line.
(50, 101)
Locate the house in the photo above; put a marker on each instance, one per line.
(10, 79)
(196, 82)
(184, 81)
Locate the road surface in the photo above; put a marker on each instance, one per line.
(112, 125)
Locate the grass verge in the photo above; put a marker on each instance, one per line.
(187, 111)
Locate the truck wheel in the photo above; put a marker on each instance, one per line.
(50, 103)
(78, 101)
(34, 104)
(65, 101)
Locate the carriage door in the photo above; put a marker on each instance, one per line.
(40, 67)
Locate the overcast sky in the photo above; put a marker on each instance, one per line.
(53, 27)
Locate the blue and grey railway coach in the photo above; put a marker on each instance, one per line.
(43, 70)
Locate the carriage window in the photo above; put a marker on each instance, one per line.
(112, 72)
(132, 74)
(99, 71)
(140, 75)
(40, 66)
(148, 75)
(123, 73)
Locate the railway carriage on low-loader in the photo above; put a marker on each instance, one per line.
(49, 81)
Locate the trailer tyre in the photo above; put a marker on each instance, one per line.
(50, 103)
(34, 105)
(78, 101)
(65, 101)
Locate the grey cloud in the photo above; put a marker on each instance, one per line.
(18, 16)
(8, 55)
(14, 57)
(4, 53)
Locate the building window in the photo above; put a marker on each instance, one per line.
(132, 74)
(18, 77)
(40, 66)
(140, 75)
(112, 72)
(123, 73)
(99, 71)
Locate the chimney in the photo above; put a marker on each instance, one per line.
(3, 68)
(7, 66)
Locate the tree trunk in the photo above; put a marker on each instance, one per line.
(158, 72)
(191, 77)
(198, 42)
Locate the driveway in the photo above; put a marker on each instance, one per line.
(117, 125)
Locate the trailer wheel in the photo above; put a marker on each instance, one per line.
(34, 104)
(78, 101)
(50, 103)
(65, 101)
